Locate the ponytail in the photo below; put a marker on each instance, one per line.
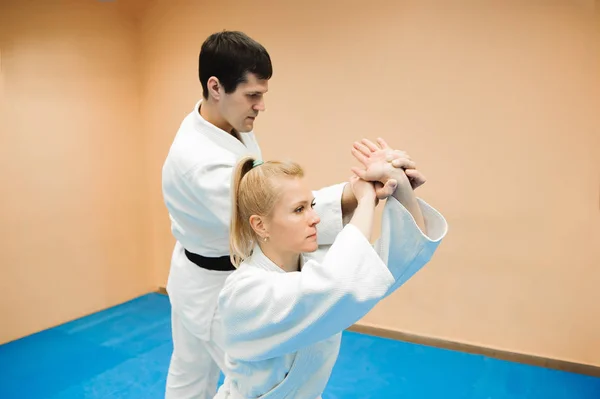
(241, 235)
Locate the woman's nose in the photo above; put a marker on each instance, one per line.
(314, 218)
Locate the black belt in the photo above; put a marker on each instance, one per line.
(222, 263)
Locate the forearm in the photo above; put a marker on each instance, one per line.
(364, 216)
(349, 204)
(406, 196)
(328, 297)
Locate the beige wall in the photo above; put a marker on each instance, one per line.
(73, 209)
(497, 103)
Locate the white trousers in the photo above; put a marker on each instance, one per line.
(195, 365)
(197, 355)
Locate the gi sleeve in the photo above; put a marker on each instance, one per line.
(406, 253)
(268, 314)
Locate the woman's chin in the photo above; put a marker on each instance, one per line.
(310, 247)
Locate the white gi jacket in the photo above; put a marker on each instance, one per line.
(283, 330)
(196, 183)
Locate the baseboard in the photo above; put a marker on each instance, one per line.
(515, 357)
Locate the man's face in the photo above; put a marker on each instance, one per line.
(241, 107)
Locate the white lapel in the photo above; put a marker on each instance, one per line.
(249, 140)
(260, 260)
(223, 139)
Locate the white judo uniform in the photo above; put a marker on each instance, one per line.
(196, 184)
(283, 330)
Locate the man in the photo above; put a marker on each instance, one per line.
(234, 71)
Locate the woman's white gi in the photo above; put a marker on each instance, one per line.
(196, 182)
(282, 330)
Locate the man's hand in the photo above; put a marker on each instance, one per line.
(378, 161)
(415, 177)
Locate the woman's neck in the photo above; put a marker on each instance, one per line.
(287, 261)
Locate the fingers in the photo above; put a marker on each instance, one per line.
(415, 177)
(380, 194)
(378, 191)
(382, 143)
(398, 157)
(404, 163)
(362, 148)
(390, 186)
(360, 157)
(359, 172)
(393, 154)
(414, 174)
(384, 191)
(370, 145)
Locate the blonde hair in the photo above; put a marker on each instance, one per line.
(254, 191)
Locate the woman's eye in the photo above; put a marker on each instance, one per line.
(299, 209)
(313, 204)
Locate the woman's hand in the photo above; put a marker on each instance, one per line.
(396, 157)
(363, 190)
(364, 214)
(382, 163)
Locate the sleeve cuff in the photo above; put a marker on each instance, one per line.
(404, 246)
(435, 223)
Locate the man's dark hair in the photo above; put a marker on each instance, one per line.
(230, 56)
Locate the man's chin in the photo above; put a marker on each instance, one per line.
(246, 128)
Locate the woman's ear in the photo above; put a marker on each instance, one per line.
(214, 88)
(259, 226)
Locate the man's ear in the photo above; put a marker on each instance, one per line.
(259, 226)
(214, 88)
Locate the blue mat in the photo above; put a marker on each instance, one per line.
(124, 352)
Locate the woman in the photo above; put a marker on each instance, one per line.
(284, 308)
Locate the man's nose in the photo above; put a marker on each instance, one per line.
(260, 106)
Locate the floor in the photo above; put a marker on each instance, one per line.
(123, 352)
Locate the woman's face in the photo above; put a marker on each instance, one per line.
(292, 226)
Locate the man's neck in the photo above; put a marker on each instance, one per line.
(208, 111)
